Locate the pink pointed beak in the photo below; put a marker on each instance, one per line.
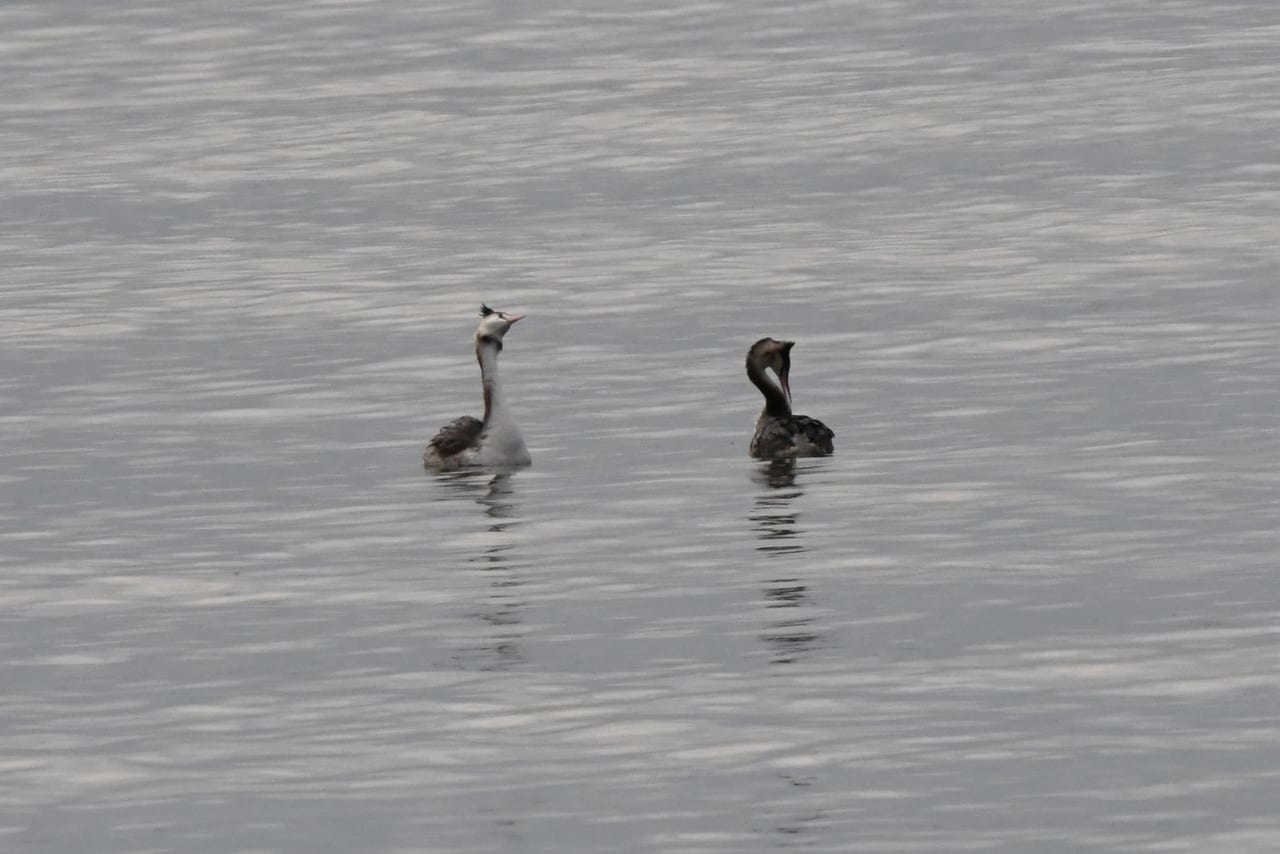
(511, 319)
(786, 384)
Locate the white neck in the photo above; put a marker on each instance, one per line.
(494, 405)
(501, 441)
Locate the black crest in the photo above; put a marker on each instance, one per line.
(485, 311)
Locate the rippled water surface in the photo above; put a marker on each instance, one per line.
(1028, 250)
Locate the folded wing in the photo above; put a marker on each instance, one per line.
(456, 436)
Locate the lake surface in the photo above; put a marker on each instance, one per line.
(1029, 253)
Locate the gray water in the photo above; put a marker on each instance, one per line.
(1029, 253)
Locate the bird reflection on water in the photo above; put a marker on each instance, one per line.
(775, 522)
(500, 613)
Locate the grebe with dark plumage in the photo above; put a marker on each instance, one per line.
(779, 434)
(494, 440)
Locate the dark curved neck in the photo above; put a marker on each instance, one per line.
(775, 400)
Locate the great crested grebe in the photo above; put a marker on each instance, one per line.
(779, 434)
(495, 440)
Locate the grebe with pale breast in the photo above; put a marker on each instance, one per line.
(494, 440)
(779, 434)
